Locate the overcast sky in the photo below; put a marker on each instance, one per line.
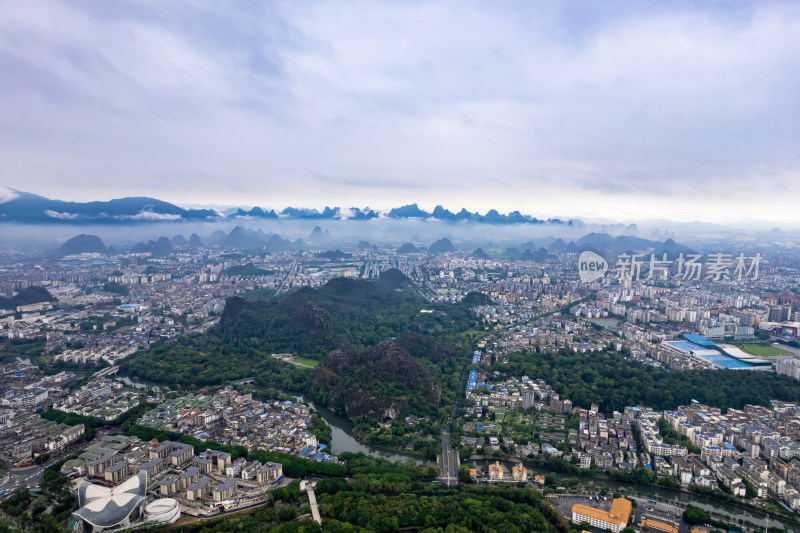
(614, 109)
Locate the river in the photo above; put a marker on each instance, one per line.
(343, 440)
(141, 384)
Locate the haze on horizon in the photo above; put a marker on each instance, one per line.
(626, 110)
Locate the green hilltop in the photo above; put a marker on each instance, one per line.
(377, 352)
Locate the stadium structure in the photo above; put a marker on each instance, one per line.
(162, 511)
(719, 355)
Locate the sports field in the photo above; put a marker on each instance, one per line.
(764, 350)
(310, 363)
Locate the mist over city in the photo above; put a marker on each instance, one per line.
(423, 266)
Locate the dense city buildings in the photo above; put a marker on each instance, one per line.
(434, 267)
(106, 308)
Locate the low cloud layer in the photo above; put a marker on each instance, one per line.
(625, 110)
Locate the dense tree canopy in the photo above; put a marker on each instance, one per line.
(385, 497)
(614, 382)
(378, 350)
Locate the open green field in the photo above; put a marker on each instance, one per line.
(760, 349)
(310, 363)
(473, 335)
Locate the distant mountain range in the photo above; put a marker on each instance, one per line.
(608, 246)
(601, 243)
(491, 217)
(241, 238)
(28, 208)
(33, 209)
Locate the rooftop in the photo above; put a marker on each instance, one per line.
(618, 514)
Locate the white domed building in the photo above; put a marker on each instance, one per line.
(103, 508)
(163, 511)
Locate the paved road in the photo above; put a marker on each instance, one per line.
(113, 369)
(449, 461)
(795, 351)
(292, 268)
(22, 478)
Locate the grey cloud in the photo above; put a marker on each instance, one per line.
(447, 101)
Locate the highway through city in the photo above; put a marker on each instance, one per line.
(449, 461)
(289, 273)
(21, 478)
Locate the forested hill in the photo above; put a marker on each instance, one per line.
(343, 313)
(27, 296)
(370, 382)
(378, 350)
